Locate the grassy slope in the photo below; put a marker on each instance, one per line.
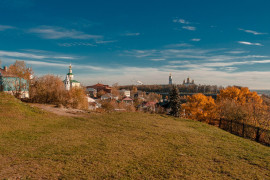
(36, 144)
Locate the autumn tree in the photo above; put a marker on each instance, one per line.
(175, 101)
(200, 107)
(19, 69)
(100, 93)
(253, 111)
(48, 89)
(115, 89)
(77, 98)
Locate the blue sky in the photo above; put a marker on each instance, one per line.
(213, 42)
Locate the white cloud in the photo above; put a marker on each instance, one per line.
(132, 34)
(160, 59)
(13, 54)
(76, 44)
(252, 32)
(196, 39)
(50, 32)
(190, 28)
(105, 42)
(237, 52)
(249, 43)
(178, 45)
(181, 21)
(4, 27)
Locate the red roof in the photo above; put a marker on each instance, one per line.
(127, 99)
(98, 85)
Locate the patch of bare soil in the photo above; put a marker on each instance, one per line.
(62, 111)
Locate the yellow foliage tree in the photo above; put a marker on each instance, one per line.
(200, 107)
(77, 98)
(251, 109)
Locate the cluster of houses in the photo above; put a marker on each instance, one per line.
(96, 94)
(100, 92)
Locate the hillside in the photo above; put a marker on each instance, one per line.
(35, 144)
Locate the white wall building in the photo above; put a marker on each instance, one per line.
(124, 92)
(69, 81)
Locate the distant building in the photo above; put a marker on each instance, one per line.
(12, 84)
(108, 96)
(170, 79)
(188, 82)
(69, 81)
(101, 87)
(92, 92)
(139, 95)
(124, 92)
(127, 100)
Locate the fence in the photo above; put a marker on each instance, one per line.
(245, 130)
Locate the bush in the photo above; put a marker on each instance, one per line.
(50, 89)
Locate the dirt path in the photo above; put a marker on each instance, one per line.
(60, 111)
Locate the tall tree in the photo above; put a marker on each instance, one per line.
(19, 69)
(200, 107)
(175, 101)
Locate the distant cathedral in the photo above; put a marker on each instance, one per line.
(188, 82)
(69, 81)
(170, 79)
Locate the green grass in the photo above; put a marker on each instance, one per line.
(36, 144)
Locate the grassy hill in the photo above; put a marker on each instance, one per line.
(36, 144)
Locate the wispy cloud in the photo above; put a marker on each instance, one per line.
(251, 31)
(178, 45)
(195, 39)
(158, 59)
(249, 43)
(132, 34)
(5, 27)
(236, 52)
(50, 32)
(190, 28)
(181, 21)
(13, 54)
(76, 44)
(105, 42)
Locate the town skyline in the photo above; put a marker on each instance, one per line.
(216, 43)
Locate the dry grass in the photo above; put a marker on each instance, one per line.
(40, 145)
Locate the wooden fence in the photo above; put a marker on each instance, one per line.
(245, 130)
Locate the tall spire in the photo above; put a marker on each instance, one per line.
(70, 68)
(170, 79)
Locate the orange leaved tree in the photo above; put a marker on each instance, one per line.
(200, 107)
(243, 106)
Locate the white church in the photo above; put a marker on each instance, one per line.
(70, 82)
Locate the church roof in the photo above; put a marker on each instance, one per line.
(69, 74)
(75, 81)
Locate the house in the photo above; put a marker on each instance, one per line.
(124, 93)
(101, 87)
(92, 92)
(109, 96)
(139, 95)
(127, 100)
(12, 84)
(70, 82)
(150, 105)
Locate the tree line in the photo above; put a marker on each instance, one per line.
(208, 89)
